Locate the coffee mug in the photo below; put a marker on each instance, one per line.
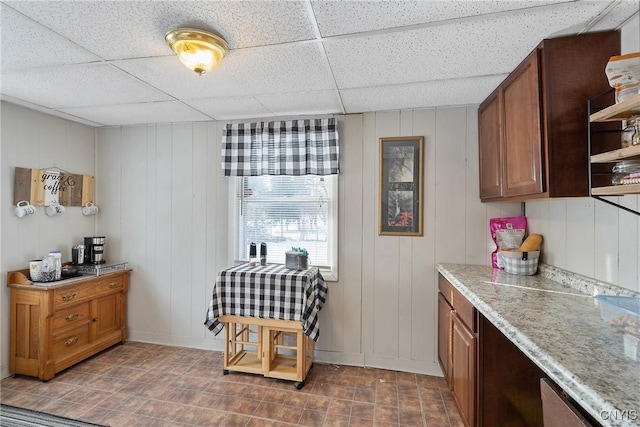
(35, 270)
(24, 208)
(89, 209)
(54, 209)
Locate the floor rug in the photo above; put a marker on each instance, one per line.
(10, 416)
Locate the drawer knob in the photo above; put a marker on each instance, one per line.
(72, 316)
(68, 297)
(71, 341)
(113, 285)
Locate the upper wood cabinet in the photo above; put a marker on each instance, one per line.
(533, 128)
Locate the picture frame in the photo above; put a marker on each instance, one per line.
(401, 176)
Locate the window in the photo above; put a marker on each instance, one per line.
(289, 211)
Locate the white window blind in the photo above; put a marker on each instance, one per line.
(288, 211)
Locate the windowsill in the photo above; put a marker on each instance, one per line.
(327, 274)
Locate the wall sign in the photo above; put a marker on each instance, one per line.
(42, 187)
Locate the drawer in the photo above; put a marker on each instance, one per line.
(67, 296)
(445, 288)
(70, 341)
(466, 311)
(69, 317)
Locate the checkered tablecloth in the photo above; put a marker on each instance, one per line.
(268, 292)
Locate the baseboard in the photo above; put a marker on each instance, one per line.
(321, 356)
(405, 365)
(4, 371)
(336, 358)
(216, 344)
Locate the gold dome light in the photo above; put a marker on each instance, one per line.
(198, 50)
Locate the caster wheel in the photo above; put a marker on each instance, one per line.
(298, 385)
(225, 372)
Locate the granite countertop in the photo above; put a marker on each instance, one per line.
(553, 318)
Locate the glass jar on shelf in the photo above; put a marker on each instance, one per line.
(626, 172)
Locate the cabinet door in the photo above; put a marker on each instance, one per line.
(522, 138)
(557, 411)
(463, 369)
(489, 140)
(106, 315)
(444, 335)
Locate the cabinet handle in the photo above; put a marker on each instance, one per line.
(95, 319)
(68, 297)
(71, 341)
(113, 285)
(72, 316)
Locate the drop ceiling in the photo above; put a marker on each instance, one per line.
(106, 63)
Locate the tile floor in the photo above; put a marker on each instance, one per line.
(138, 384)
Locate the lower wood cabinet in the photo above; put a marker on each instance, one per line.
(492, 381)
(463, 368)
(457, 348)
(54, 327)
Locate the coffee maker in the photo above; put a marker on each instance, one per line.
(94, 250)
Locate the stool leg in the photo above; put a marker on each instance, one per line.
(225, 371)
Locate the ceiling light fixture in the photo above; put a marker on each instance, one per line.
(198, 50)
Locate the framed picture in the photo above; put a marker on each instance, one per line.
(400, 210)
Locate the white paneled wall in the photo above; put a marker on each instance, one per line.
(166, 209)
(590, 237)
(166, 214)
(34, 140)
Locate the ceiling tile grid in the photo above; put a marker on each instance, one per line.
(462, 49)
(106, 62)
(251, 71)
(131, 114)
(225, 108)
(302, 103)
(420, 95)
(349, 17)
(45, 48)
(77, 86)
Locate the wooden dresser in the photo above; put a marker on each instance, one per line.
(54, 327)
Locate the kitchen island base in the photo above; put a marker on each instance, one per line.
(269, 347)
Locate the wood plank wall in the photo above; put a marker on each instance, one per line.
(165, 208)
(36, 140)
(167, 212)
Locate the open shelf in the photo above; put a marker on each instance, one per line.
(620, 111)
(614, 113)
(616, 190)
(632, 152)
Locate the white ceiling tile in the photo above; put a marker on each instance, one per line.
(45, 48)
(463, 49)
(227, 108)
(78, 85)
(621, 12)
(260, 70)
(299, 103)
(133, 114)
(107, 61)
(420, 95)
(138, 27)
(347, 17)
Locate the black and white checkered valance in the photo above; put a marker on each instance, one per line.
(297, 147)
